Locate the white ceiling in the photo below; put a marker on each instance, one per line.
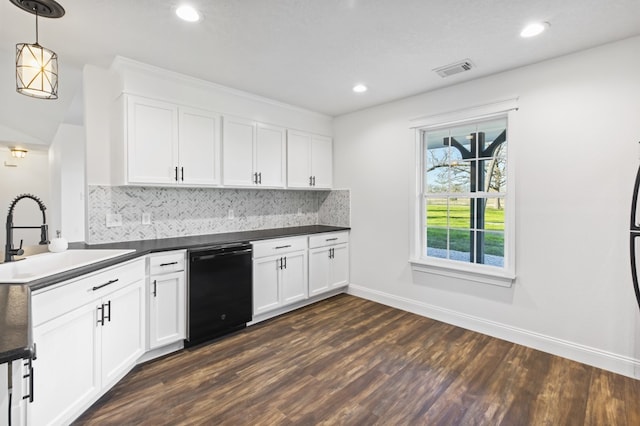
(308, 53)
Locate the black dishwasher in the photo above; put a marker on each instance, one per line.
(220, 291)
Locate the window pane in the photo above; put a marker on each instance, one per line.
(460, 213)
(460, 245)
(461, 177)
(437, 214)
(493, 247)
(494, 214)
(494, 133)
(462, 139)
(437, 242)
(437, 173)
(495, 171)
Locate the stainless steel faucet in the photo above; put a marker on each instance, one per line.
(9, 251)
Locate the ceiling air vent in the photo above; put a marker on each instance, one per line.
(455, 68)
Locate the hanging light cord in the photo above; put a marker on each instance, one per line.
(36, 10)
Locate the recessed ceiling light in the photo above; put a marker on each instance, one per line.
(534, 29)
(188, 13)
(360, 88)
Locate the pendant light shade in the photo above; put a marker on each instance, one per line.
(37, 66)
(36, 71)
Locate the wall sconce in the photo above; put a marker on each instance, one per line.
(37, 66)
(18, 152)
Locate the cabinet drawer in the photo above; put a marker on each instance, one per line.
(278, 246)
(59, 299)
(328, 239)
(164, 263)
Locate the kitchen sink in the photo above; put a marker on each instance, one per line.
(45, 264)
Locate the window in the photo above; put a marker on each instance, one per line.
(464, 192)
(464, 222)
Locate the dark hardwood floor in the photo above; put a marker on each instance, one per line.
(348, 361)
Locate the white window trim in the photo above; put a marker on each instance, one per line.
(503, 277)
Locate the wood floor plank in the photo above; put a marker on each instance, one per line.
(349, 361)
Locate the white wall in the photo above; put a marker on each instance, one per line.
(31, 175)
(575, 150)
(66, 159)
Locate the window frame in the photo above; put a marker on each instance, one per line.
(420, 262)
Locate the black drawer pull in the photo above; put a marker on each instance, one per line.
(331, 239)
(170, 263)
(98, 287)
(281, 247)
(107, 316)
(100, 320)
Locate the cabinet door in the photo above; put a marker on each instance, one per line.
(237, 151)
(166, 309)
(152, 141)
(199, 147)
(294, 277)
(66, 371)
(321, 162)
(266, 292)
(298, 159)
(270, 155)
(319, 271)
(339, 266)
(123, 331)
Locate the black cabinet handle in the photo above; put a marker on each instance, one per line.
(176, 175)
(101, 310)
(281, 247)
(331, 239)
(108, 316)
(310, 180)
(255, 178)
(285, 262)
(260, 178)
(155, 288)
(30, 376)
(170, 263)
(314, 181)
(280, 263)
(105, 284)
(182, 174)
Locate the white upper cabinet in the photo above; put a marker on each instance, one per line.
(253, 154)
(270, 156)
(199, 147)
(322, 161)
(152, 141)
(168, 144)
(309, 161)
(238, 139)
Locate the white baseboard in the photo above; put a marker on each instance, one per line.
(619, 364)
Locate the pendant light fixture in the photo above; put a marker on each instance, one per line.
(37, 66)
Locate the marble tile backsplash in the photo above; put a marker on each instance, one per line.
(195, 211)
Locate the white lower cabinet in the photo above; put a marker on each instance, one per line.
(279, 273)
(122, 335)
(328, 262)
(88, 332)
(66, 370)
(167, 299)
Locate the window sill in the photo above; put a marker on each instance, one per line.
(476, 273)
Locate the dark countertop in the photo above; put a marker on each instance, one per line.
(15, 327)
